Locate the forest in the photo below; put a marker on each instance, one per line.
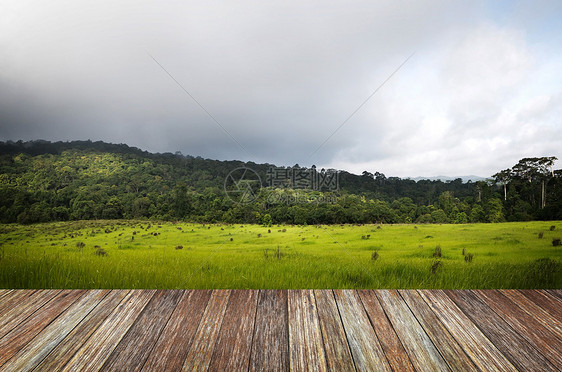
(42, 181)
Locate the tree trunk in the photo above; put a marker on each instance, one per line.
(504, 191)
(543, 204)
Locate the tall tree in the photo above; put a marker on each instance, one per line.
(544, 166)
(536, 168)
(503, 177)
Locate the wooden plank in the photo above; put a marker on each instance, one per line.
(270, 346)
(64, 351)
(390, 343)
(4, 292)
(199, 355)
(556, 292)
(526, 325)
(534, 310)
(36, 350)
(306, 350)
(365, 347)
(521, 353)
(234, 343)
(418, 345)
(449, 348)
(134, 348)
(15, 297)
(548, 302)
(95, 351)
(482, 352)
(172, 347)
(338, 355)
(33, 325)
(22, 306)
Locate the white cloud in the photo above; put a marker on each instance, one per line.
(473, 107)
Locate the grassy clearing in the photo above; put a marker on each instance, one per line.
(143, 254)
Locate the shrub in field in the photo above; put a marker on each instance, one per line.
(552, 228)
(556, 242)
(437, 252)
(80, 245)
(468, 257)
(101, 252)
(179, 247)
(541, 235)
(374, 255)
(435, 266)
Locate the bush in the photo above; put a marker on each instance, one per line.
(437, 252)
(374, 255)
(541, 235)
(101, 252)
(435, 266)
(556, 242)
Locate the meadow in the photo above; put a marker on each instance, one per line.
(151, 254)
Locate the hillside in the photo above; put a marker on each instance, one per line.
(44, 181)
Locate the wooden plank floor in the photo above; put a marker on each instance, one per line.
(314, 330)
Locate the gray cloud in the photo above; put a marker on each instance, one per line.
(482, 90)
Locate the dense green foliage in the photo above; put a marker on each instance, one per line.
(42, 181)
(151, 254)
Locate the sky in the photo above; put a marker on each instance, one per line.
(406, 88)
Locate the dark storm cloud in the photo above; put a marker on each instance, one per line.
(280, 77)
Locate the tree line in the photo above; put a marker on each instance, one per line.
(43, 181)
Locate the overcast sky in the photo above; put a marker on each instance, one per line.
(482, 89)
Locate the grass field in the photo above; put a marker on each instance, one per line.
(143, 254)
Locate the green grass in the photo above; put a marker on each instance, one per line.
(128, 254)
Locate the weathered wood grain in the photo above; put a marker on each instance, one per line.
(37, 349)
(15, 297)
(391, 344)
(280, 330)
(556, 292)
(449, 348)
(418, 345)
(199, 355)
(306, 349)
(527, 326)
(270, 346)
(4, 292)
(94, 352)
(545, 300)
(65, 350)
(234, 343)
(338, 355)
(134, 348)
(363, 342)
(24, 332)
(22, 306)
(174, 343)
(481, 350)
(520, 352)
(541, 315)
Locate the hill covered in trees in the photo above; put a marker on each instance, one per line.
(56, 181)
